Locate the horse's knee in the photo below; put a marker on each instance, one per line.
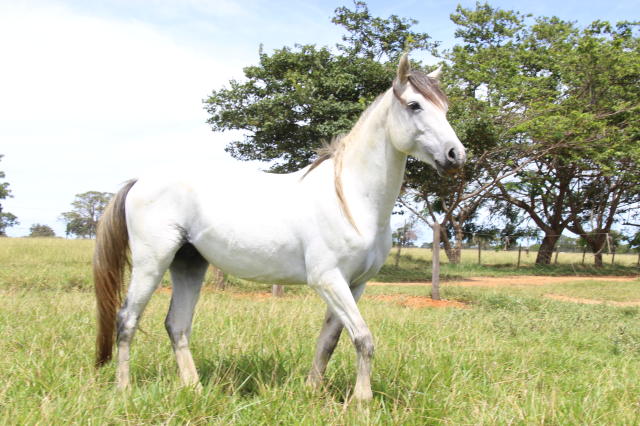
(364, 344)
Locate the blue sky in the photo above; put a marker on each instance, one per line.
(94, 92)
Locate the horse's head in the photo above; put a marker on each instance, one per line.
(418, 123)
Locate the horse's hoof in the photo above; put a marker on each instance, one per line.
(363, 395)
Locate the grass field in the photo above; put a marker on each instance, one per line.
(513, 356)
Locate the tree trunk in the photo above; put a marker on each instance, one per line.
(547, 247)
(597, 260)
(453, 251)
(397, 262)
(596, 244)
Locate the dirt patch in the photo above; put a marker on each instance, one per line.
(522, 280)
(563, 298)
(418, 301)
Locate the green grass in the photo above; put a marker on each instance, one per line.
(66, 264)
(512, 357)
(415, 265)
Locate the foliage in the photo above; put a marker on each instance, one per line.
(406, 234)
(7, 219)
(298, 98)
(565, 99)
(82, 220)
(39, 230)
(375, 38)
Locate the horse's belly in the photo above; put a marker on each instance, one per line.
(260, 256)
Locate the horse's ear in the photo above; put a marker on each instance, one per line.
(404, 68)
(436, 74)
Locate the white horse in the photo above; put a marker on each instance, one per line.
(327, 225)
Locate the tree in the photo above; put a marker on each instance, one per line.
(7, 219)
(404, 236)
(82, 220)
(39, 230)
(568, 100)
(376, 38)
(297, 98)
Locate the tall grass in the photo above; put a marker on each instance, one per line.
(511, 357)
(508, 359)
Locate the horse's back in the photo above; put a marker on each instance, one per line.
(245, 223)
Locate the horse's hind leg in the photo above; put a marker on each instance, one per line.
(147, 268)
(187, 272)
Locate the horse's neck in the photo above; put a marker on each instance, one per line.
(372, 169)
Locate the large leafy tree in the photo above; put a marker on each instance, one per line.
(82, 220)
(565, 100)
(297, 98)
(7, 219)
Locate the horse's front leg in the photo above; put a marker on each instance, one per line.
(343, 311)
(327, 341)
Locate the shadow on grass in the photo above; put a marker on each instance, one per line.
(250, 374)
(246, 374)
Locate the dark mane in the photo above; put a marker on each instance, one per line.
(428, 87)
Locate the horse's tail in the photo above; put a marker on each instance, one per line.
(110, 259)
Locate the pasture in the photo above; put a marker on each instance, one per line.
(512, 355)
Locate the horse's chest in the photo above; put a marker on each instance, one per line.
(367, 261)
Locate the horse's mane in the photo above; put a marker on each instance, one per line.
(428, 87)
(335, 150)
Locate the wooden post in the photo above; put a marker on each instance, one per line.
(479, 251)
(613, 255)
(519, 254)
(555, 262)
(218, 278)
(584, 253)
(435, 263)
(277, 290)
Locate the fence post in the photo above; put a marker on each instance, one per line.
(277, 290)
(584, 253)
(479, 251)
(519, 254)
(435, 263)
(555, 261)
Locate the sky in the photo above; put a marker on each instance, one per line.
(93, 93)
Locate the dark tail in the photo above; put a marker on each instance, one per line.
(110, 259)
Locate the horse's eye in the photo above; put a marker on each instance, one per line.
(414, 106)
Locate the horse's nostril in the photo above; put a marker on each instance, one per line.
(452, 154)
